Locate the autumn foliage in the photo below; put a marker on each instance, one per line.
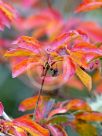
(55, 53)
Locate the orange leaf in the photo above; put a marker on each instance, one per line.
(31, 126)
(87, 6)
(22, 64)
(90, 116)
(19, 131)
(79, 58)
(18, 52)
(29, 103)
(84, 77)
(78, 104)
(18, 67)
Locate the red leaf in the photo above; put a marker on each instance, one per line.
(75, 83)
(89, 5)
(57, 111)
(44, 20)
(28, 43)
(29, 3)
(7, 15)
(57, 130)
(93, 30)
(22, 64)
(1, 109)
(86, 48)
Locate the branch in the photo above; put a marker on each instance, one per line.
(41, 90)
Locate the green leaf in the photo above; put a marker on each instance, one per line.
(58, 119)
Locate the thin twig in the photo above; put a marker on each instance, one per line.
(40, 92)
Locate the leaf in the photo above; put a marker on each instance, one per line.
(77, 104)
(79, 58)
(31, 126)
(75, 83)
(87, 6)
(84, 77)
(19, 65)
(58, 119)
(7, 15)
(47, 105)
(10, 129)
(18, 53)
(28, 43)
(85, 129)
(19, 131)
(64, 39)
(1, 109)
(93, 30)
(90, 116)
(57, 111)
(57, 130)
(29, 103)
(44, 20)
(87, 48)
(29, 4)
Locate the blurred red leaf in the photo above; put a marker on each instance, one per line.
(7, 15)
(88, 5)
(1, 109)
(93, 30)
(29, 3)
(75, 83)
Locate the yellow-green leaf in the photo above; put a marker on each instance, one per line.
(85, 129)
(84, 77)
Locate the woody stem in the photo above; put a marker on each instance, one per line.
(40, 92)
